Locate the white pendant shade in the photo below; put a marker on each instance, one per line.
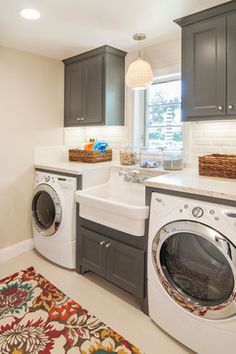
(139, 75)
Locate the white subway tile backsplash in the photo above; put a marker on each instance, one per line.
(212, 137)
(116, 136)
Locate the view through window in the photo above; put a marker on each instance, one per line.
(164, 128)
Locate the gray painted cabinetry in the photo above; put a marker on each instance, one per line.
(113, 255)
(94, 88)
(208, 63)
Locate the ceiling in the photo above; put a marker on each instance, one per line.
(69, 27)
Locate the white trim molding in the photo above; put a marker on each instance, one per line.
(15, 250)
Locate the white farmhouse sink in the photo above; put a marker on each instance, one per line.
(116, 204)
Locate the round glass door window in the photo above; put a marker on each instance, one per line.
(46, 210)
(195, 267)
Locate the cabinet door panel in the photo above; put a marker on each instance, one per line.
(125, 267)
(93, 90)
(91, 252)
(204, 69)
(73, 93)
(231, 66)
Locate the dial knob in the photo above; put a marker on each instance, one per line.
(197, 212)
(46, 178)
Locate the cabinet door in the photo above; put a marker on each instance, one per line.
(91, 252)
(231, 66)
(93, 90)
(204, 69)
(125, 267)
(73, 93)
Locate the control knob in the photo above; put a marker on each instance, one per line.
(197, 212)
(46, 178)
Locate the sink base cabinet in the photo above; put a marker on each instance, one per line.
(119, 263)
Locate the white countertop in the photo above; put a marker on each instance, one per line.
(189, 181)
(76, 168)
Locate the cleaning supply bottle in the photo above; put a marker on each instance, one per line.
(89, 146)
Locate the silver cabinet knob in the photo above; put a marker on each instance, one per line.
(78, 118)
(220, 108)
(102, 243)
(230, 106)
(108, 245)
(81, 118)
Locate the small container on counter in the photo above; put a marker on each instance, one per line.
(173, 160)
(129, 156)
(150, 158)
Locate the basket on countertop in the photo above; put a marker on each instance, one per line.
(90, 156)
(217, 165)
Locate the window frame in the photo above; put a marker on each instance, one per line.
(158, 80)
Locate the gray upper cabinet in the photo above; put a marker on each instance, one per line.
(231, 66)
(208, 69)
(94, 88)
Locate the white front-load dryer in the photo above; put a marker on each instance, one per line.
(192, 272)
(54, 217)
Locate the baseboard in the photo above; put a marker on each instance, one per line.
(15, 250)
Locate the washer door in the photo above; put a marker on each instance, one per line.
(46, 210)
(197, 267)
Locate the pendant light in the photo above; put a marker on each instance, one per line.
(139, 75)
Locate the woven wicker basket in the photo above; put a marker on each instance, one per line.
(89, 156)
(217, 165)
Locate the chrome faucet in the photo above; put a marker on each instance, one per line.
(133, 176)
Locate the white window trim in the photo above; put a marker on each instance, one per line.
(139, 111)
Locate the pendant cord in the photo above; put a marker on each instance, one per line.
(139, 49)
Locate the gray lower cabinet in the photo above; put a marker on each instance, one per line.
(91, 252)
(125, 267)
(121, 264)
(95, 87)
(208, 63)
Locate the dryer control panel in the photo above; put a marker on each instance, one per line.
(169, 208)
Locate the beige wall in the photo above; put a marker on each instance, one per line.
(31, 113)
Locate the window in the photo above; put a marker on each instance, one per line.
(163, 126)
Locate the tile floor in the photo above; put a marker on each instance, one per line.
(115, 307)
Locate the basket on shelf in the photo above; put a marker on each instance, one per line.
(90, 156)
(217, 165)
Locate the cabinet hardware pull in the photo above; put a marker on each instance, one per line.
(230, 106)
(102, 243)
(81, 118)
(108, 245)
(78, 118)
(220, 108)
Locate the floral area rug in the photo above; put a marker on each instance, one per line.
(37, 318)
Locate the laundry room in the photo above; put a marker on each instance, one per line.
(118, 178)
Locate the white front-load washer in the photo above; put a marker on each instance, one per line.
(54, 217)
(192, 272)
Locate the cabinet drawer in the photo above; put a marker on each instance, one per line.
(125, 267)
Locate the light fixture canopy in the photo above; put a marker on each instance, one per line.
(139, 75)
(30, 14)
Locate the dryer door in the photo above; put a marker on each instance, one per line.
(196, 265)
(46, 210)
